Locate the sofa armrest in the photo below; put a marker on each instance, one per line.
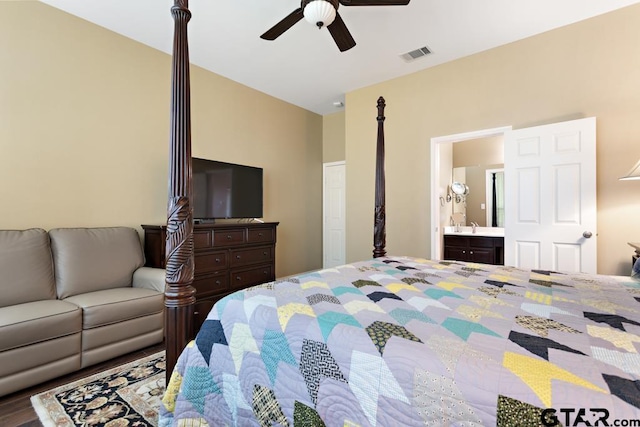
(149, 278)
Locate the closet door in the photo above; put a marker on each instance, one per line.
(334, 218)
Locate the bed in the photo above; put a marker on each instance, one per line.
(392, 340)
(405, 341)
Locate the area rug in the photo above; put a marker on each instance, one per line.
(128, 395)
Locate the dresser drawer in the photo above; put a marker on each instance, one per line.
(228, 256)
(259, 255)
(211, 284)
(211, 262)
(202, 239)
(254, 276)
(228, 237)
(201, 309)
(261, 235)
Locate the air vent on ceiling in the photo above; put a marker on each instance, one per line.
(415, 54)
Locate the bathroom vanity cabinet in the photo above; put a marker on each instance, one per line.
(481, 249)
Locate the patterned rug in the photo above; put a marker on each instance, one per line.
(128, 395)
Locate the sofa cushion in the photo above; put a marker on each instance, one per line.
(94, 259)
(33, 322)
(116, 305)
(26, 366)
(26, 266)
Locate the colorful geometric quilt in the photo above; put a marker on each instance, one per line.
(400, 341)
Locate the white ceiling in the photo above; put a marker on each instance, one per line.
(304, 66)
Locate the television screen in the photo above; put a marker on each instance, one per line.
(226, 190)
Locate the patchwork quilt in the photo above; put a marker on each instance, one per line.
(400, 341)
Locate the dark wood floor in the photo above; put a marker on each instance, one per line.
(16, 409)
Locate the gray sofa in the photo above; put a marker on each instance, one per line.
(73, 297)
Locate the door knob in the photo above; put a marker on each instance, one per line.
(587, 234)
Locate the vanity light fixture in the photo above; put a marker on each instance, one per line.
(634, 173)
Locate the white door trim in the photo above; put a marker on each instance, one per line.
(436, 236)
(325, 234)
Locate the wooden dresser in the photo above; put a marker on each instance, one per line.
(228, 257)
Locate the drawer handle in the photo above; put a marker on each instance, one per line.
(217, 259)
(228, 236)
(464, 252)
(264, 253)
(238, 278)
(266, 273)
(260, 234)
(217, 282)
(237, 256)
(471, 252)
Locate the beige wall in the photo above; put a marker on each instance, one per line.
(333, 137)
(84, 124)
(481, 151)
(586, 69)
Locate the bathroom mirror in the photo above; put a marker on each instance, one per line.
(476, 164)
(472, 190)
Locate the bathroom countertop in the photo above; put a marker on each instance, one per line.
(480, 231)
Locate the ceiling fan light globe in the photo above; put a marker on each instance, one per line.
(320, 13)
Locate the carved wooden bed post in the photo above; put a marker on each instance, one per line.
(179, 294)
(379, 232)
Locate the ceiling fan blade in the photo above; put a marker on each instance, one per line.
(282, 26)
(341, 34)
(374, 2)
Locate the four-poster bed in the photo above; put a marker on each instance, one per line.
(391, 340)
(179, 264)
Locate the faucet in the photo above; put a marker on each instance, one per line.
(473, 227)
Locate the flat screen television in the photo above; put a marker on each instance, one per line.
(225, 190)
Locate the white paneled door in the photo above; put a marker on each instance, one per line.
(550, 193)
(334, 214)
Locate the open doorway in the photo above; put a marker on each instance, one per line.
(442, 174)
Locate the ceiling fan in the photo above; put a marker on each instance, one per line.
(324, 13)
